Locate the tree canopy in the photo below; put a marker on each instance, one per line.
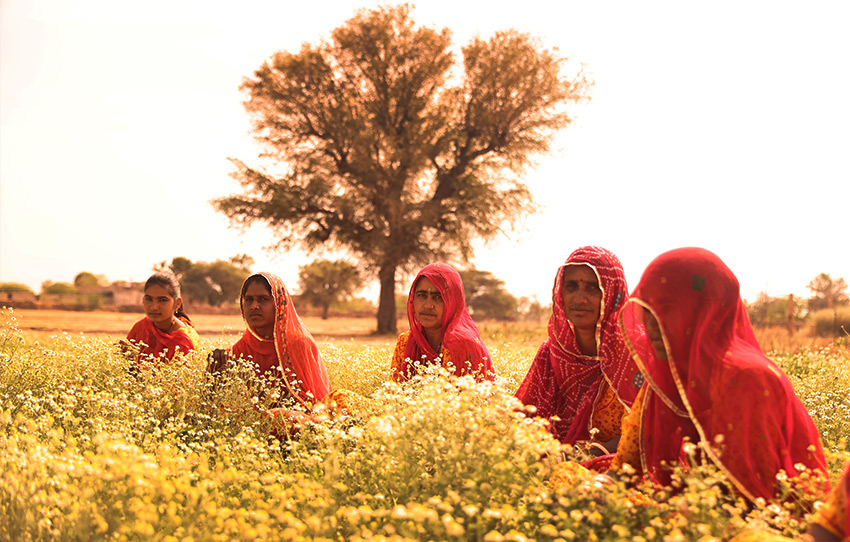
(486, 296)
(381, 143)
(214, 283)
(827, 293)
(325, 282)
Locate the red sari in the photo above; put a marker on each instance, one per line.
(157, 344)
(565, 383)
(458, 333)
(718, 386)
(292, 350)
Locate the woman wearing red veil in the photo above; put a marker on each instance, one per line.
(441, 330)
(708, 382)
(278, 343)
(583, 377)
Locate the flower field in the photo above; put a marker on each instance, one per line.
(89, 451)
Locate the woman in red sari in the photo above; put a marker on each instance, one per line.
(165, 330)
(708, 382)
(441, 330)
(583, 376)
(277, 341)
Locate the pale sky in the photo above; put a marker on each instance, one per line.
(724, 125)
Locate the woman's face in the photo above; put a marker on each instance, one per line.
(653, 331)
(428, 305)
(160, 305)
(582, 296)
(258, 308)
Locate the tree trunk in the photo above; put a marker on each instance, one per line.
(386, 303)
(325, 309)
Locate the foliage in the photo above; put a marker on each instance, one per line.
(773, 311)
(486, 296)
(86, 279)
(58, 288)
(214, 283)
(830, 322)
(383, 144)
(14, 287)
(828, 293)
(89, 451)
(530, 309)
(325, 282)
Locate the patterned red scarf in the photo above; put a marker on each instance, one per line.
(562, 381)
(717, 385)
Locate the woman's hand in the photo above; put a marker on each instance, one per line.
(218, 360)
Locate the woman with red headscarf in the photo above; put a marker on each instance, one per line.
(441, 330)
(583, 377)
(708, 382)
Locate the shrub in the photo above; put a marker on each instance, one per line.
(829, 322)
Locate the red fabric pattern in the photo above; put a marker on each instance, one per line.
(717, 380)
(458, 334)
(293, 347)
(157, 343)
(562, 381)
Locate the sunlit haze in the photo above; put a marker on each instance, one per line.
(722, 125)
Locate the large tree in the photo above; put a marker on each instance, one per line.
(378, 142)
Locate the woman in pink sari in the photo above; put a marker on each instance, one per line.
(583, 377)
(708, 382)
(441, 330)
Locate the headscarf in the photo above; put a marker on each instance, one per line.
(562, 381)
(717, 387)
(159, 343)
(304, 373)
(458, 333)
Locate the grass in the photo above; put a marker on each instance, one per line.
(90, 452)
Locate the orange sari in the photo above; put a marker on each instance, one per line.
(157, 345)
(715, 387)
(292, 350)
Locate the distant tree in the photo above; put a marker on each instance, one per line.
(383, 144)
(214, 283)
(530, 309)
(828, 293)
(87, 280)
(486, 296)
(769, 311)
(11, 287)
(325, 282)
(58, 288)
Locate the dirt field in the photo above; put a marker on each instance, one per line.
(38, 323)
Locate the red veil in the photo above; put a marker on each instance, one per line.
(717, 381)
(305, 374)
(562, 381)
(458, 334)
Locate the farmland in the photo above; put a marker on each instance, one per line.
(90, 452)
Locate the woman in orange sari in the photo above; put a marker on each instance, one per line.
(708, 382)
(441, 330)
(165, 330)
(831, 522)
(583, 376)
(277, 341)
